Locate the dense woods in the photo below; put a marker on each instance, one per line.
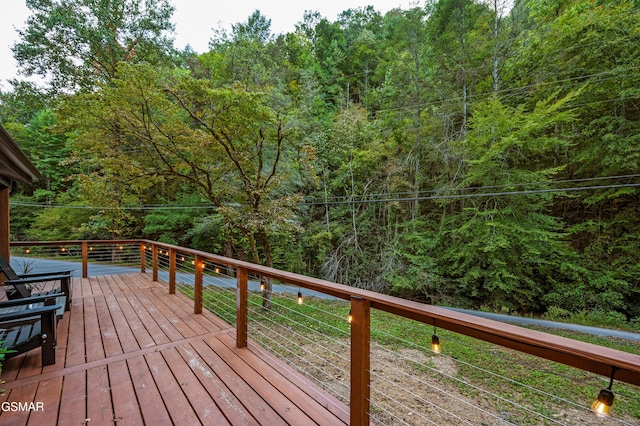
(469, 153)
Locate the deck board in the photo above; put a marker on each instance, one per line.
(129, 353)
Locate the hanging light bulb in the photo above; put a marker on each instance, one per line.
(217, 270)
(262, 286)
(602, 405)
(435, 340)
(300, 299)
(349, 317)
(435, 344)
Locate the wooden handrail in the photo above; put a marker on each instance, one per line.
(581, 355)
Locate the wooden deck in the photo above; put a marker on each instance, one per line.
(129, 353)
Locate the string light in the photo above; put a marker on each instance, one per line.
(300, 299)
(602, 405)
(435, 340)
(263, 286)
(217, 270)
(435, 344)
(27, 251)
(350, 317)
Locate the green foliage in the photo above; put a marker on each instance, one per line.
(423, 152)
(172, 225)
(80, 43)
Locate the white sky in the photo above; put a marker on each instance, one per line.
(195, 20)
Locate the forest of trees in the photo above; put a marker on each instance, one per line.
(471, 153)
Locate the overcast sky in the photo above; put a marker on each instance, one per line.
(195, 19)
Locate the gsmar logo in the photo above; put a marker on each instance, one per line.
(22, 406)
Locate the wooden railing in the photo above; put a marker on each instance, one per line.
(604, 361)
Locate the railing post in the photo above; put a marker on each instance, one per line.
(85, 259)
(172, 271)
(154, 257)
(360, 362)
(197, 295)
(143, 258)
(242, 313)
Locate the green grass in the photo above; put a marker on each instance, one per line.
(325, 321)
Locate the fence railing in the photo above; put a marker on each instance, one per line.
(610, 363)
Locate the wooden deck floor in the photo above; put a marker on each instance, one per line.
(129, 353)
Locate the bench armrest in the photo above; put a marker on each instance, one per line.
(27, 313)
(44, 274)
(29, 300)
(37, 280)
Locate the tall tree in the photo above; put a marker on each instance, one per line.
(507, 248)
(226, 142)
(77, 44)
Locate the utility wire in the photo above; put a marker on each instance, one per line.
(479, 195)
(359, 199)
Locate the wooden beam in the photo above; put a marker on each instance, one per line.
(197, 287)
(143, 257)
(85, 259)
(5, 229)
(242, 313)
(360, 362)
(172, 271)
(154, 257)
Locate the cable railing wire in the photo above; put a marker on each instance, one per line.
(427, 385)
(303, 337)
(397, 403)
(328, 386)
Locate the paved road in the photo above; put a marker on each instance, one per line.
(95, 269)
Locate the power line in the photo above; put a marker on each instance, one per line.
(478, 195)
(475, 188)
(140, 207)
(346, 201)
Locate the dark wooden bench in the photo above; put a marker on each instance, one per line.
(29, 323)
(20, 283)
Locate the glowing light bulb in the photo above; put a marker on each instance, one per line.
(435, 344)
(300, 300)
(350, 318)
(602, 405)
